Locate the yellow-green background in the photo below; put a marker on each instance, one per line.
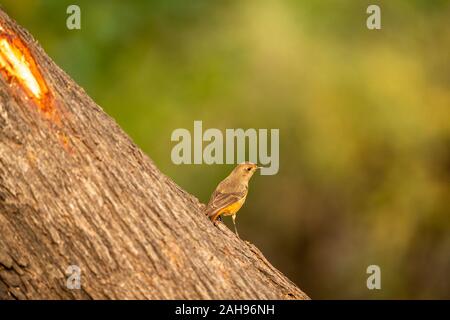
(363, 118)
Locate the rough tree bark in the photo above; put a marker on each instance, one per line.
(75, 190)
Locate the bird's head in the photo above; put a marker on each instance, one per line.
(246, 170)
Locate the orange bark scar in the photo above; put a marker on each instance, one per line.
(19, 67)
(17, 64)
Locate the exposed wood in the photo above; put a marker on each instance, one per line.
(75, 190)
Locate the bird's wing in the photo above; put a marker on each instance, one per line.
(220, 200)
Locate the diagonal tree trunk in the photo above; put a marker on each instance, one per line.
(75, 190)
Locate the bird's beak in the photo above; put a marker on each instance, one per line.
(259, 167)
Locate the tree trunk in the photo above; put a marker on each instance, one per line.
(75, 190)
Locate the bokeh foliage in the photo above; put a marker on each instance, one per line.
(363, 118)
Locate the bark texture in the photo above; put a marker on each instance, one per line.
(75, 190)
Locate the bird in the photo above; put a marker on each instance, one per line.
(230, 193)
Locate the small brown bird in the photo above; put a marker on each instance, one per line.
(230, 194)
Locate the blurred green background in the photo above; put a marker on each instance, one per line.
(363, 118)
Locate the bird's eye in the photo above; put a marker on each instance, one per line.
(248, 169)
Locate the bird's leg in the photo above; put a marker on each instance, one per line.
(234, 223)
(216, 221)
(216, 218)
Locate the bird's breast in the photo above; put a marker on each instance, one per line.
(233, 208)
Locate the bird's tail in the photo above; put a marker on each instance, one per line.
(211, 213)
